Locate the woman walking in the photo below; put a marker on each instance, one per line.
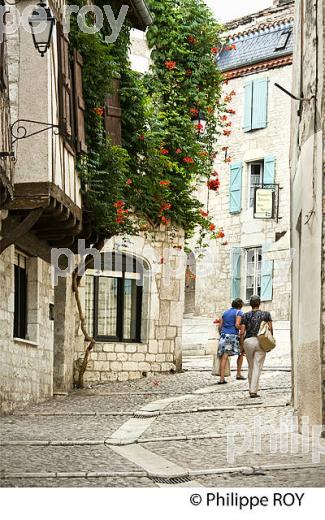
(229, 344)
(251, 323)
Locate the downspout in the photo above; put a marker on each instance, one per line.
(142, 11)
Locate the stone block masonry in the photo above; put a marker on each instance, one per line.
(26, 365)
(162, 313)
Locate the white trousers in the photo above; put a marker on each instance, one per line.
(255, 358)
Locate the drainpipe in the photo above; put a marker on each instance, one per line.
(142, 12)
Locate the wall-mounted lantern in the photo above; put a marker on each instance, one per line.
(42, 22)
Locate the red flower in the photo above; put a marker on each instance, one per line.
(170, 65)
(224, 118)
(227, 133)
(164, 183)
(203, 153)
(129, 182)
(165, 221)
(228, 159)
(199, 127)
(204, 214)
(231, 111)
(141, 137)
(99, 111)
(215, 174)
(164, 151)
(178, 151)
(119, 204)
(225, 148)
(229, 123)
(212, 227)
(221, 234)
(165, 207)
(192, 40)
(214, 50)
(194, 112)
(232, 93)
(188, 160)
(213, 184)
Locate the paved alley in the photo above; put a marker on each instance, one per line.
(169, 430)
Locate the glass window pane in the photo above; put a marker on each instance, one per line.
(89, 307)
(107, 306)
(130, 310)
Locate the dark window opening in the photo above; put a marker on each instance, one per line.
(20, 309)
(114, 299)
(255, 180)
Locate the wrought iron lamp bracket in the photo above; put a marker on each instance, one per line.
(19, 132)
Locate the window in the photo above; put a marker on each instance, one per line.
(253, 272)
(255, 104)
(20, 308)
(114, 299)
(255, 180)
(283, 40)
(71, 101)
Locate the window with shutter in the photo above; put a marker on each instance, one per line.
(79, 103)
(248, 100)
(269, 170)
(113, 124)
(235, 272)
(266, 277)
(236, 173)
(65, 94)
(3, 66)
(255, 104)
(260, 102)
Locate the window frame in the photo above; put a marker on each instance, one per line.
(255, 289)
(20, 322)
(249, 178)
(120, 304)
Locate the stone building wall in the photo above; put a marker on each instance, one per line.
(26, 366)
(213, 283)
(307, 213)
(162, 313)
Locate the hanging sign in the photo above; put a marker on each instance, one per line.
(264, 203)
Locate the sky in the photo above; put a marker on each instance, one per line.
(226, 10)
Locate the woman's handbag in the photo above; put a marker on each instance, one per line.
(265, 338)
(216, 366)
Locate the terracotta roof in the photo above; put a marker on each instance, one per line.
(258, 67)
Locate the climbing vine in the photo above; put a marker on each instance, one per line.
(153, 177)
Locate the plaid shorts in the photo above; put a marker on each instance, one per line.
(229, 344)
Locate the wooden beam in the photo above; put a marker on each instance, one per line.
(21, 229)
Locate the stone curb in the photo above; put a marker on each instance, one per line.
(244, 470)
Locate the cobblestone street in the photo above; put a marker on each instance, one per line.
(169, 430)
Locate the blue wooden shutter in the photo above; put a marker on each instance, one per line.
(269, 170)
(235, 272)
(236, 173)
(260, 102)
(248, 101)
(266, 277)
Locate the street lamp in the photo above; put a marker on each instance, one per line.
(200, 124)
(42, 22)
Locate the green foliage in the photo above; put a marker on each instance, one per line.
(152, 178)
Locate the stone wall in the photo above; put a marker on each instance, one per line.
(26, 366)
(213, 283)
(307, 215)
(162, 313)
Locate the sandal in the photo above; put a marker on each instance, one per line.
(222, 382)
(241, 378)
(253, 396)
